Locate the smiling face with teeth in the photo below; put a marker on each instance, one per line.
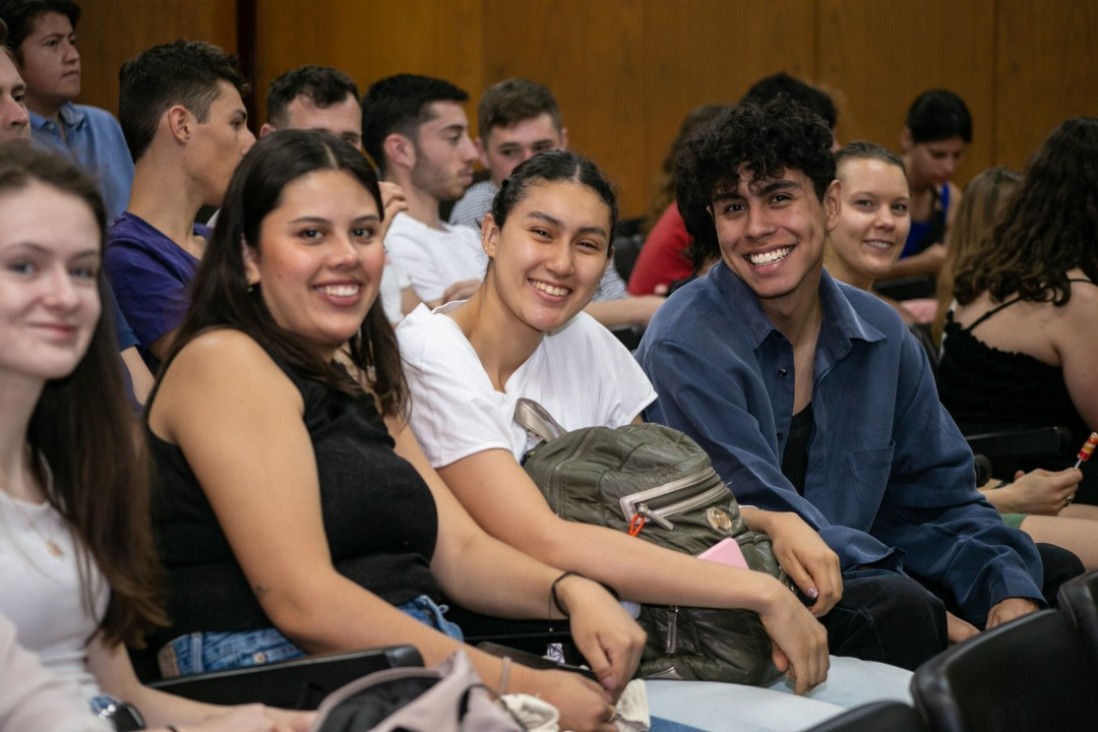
(319, 258)
(873, 221)
(549, 256)
(771, 233)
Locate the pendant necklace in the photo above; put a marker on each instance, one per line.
(51, 546)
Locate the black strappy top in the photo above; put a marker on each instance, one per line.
(981, 385)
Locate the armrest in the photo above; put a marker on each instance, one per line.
(1021, 443)
(297, 684)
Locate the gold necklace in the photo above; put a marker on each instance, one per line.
(51, 546)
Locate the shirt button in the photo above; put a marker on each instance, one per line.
(259, 657)
(782, 373)
(780, 435)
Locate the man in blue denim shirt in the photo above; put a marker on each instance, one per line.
(813, 397)
(43, 38)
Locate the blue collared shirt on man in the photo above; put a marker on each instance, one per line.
(890, 480)
(93, 140)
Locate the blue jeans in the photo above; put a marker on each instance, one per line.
(197, 653)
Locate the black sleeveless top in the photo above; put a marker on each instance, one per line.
(980, 385)
(379, 517)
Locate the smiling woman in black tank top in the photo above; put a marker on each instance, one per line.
(1018, 344)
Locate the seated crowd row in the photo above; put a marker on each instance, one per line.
(320, 481)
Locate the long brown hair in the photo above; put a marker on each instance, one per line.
(1049, 227)
(221, 296)
(985, 197)
(82, 428)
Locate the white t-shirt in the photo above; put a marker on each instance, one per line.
(42, 594)
(434, 259)
(393, 280)
(581, 374)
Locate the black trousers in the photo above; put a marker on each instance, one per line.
(898, 620)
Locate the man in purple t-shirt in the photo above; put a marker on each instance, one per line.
(181, 111)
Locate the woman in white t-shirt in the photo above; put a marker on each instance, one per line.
(77, 562)
(522, 334)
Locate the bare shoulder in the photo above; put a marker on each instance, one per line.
(220, 369)
(1082, 308)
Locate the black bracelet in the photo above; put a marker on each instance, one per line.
(171, 728)
(553, 592)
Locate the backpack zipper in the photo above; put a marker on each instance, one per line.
(659, 503)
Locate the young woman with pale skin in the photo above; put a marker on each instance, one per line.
(76, 549)
(318, 514)
(873, 218)
(522, 334)
(876, 216)
(1015, 348)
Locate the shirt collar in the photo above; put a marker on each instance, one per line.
(69, 114)
(840, 318)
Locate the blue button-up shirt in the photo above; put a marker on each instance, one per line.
(93, 140)
(890, 480)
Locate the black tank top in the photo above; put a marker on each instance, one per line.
(379, 517)
(981, 385)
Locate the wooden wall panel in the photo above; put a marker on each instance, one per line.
(591, 55)
(370, 40)
(627, 71)
(112, 31)
(710, 52)
(1047, 67)
(878, 56)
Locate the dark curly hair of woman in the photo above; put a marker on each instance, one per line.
(1049, 227)
(768, 140)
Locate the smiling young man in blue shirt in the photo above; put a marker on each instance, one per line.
(813, 397)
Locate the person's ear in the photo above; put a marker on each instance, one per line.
(833, 204)
(251, 263)
(179, 122)
(265, 130)
(907, 141)
(563, 138)
(489, 235)
(399, 150)
(482, 152)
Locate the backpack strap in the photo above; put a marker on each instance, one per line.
(535, 419)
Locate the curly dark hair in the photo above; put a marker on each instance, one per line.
(1049, 227)
(781, 135)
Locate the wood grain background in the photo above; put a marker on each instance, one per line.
(627, 71)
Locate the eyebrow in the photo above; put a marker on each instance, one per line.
(542, 216)
(771, 186)
(322, 220)
(38, 248)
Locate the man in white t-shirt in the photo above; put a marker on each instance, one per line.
(416, 131)
(325, 99)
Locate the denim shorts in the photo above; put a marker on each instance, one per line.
(197, 653)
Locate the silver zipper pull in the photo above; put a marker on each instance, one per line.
(651, 515)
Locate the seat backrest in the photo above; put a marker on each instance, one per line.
(1078, 599)
(877, 717)
(1030, 675)
(297, 684)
